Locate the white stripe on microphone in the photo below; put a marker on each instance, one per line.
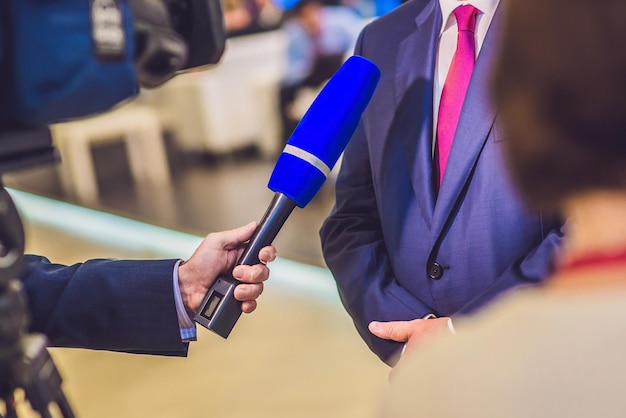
(308, 157)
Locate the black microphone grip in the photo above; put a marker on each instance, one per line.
(219, 310)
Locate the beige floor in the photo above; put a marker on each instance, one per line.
(296, 356)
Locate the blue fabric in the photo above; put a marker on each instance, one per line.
(1, 46)
(52, 73)
(117, 305)
(389, 221)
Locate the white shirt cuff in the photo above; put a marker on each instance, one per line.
(451, 326)
(185, 323)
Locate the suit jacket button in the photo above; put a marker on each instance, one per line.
(435, 271)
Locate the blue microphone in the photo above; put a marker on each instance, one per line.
(300, 171)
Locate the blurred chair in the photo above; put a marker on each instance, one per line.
(230, 106)
(138, 126)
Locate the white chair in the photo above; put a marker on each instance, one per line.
(138, 126)
(230, 106)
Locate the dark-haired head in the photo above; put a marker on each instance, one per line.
(560, 87)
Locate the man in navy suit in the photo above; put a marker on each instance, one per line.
(401, 246)
(138, 306)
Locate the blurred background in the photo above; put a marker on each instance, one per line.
(150, 178)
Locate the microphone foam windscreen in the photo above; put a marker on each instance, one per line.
(324, 131)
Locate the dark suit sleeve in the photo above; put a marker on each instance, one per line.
(355, 252)
(103, 304)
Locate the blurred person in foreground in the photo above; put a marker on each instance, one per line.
(556, 350)
(137, 306)
(417, 238)
(245, 17)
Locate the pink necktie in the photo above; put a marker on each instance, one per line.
(455, 87)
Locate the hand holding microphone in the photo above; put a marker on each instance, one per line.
(301, 169)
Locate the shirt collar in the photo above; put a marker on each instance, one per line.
(487, 7)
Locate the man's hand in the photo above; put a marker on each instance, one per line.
(410, 332)
(217, 253)
(413, 333)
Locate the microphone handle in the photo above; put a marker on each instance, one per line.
(277, 213)
(219, 310)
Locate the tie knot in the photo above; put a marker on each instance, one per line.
(466, 17)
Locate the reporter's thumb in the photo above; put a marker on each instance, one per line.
(393, 330)
(236, 237)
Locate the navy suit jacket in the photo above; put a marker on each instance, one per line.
(389, 226)
(112, 305)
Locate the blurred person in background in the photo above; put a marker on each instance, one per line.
(138, 306)
(245, 17)
(555, 350)
(319, 38)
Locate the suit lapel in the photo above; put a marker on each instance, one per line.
(475, 123)
(413, 94)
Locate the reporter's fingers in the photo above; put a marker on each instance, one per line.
(248, 306)
(246, 292)
(251, 274)
(267, 254)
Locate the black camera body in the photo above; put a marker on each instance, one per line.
(201, 24)
(176, 35)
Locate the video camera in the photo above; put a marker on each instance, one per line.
(66, 59)
(61, 60)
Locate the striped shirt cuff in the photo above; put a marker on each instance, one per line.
(187, 326)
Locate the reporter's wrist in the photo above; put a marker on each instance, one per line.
(185, 323)
(187, 285)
